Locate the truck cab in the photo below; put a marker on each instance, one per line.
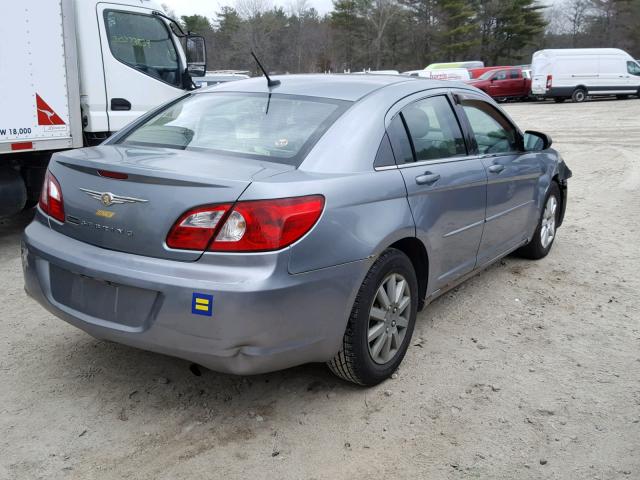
(132, 62)
(504, 83)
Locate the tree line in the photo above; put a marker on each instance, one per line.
(408, 34)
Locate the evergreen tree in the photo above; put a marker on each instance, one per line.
(507, 27)
(457, 30)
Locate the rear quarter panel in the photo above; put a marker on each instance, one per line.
(364, 213)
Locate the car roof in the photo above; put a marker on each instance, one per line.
(336, 86)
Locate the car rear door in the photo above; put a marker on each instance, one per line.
(513, 177)
(142, 63)
(446, 187)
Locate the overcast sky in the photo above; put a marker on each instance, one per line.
(208, 8)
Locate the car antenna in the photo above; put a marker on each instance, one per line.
(270, 83)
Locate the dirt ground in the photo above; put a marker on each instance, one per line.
(530, 370)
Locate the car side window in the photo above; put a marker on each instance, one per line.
(384, 157)
(515, 74)
(400, 141)
(434, 129)
(501, 75)
(492, 131)
(633, 68)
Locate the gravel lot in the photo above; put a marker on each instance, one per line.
(529, 370)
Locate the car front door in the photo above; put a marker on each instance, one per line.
(513, 177)
(446, 187)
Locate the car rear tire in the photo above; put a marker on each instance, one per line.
(579, 95)
(381, 323)
(545, 234)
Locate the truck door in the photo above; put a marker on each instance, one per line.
(633, 76)
(142, 62)
(515, 83)
(499, 86)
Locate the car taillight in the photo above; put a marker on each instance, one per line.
(247, 226)
(195, 228)
(549, 81)
(51, 201)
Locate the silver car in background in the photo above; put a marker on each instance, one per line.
(250, 228)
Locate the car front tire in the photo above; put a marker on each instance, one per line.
(545, 234)
(381, 323)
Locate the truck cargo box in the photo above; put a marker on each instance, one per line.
(40, 100)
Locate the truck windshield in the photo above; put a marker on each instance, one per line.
(274, 127)
(143, 42)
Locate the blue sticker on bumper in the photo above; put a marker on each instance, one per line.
(202, 304)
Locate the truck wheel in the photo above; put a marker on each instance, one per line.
(13, 192)
(33, 179)
(381, 323)
(559, 99)
(579, 95)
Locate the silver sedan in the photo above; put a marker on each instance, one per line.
(254, 227)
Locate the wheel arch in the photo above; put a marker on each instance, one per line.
(413, 248)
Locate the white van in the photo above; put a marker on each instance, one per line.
(576, 73)
(454, 74)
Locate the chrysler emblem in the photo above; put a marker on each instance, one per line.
(108, 198)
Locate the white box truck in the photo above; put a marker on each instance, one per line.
(74, 71)
(577, 73)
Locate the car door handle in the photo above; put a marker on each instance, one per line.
(427, 179)
(496, 168)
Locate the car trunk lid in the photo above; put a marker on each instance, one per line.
(134, 212)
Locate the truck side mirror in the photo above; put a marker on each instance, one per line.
(536, 141)
(196, 52)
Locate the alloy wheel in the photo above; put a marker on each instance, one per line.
(548, 227)
(389, 318)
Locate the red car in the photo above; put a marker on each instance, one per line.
(504, 83)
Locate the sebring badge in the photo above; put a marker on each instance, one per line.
(108, 198)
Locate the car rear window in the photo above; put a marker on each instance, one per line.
(275, 127)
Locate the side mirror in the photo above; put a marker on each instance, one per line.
(536, 141)
(196, 52)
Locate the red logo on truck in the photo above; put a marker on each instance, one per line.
(46, 115)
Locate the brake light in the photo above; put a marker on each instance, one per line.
(549, 81)
(249, 226)
(51, 201)
(115, 175)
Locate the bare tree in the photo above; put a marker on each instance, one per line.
(577, 13)
(378, 14)
(248, 9)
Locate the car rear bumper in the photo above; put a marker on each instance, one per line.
(261, 317)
